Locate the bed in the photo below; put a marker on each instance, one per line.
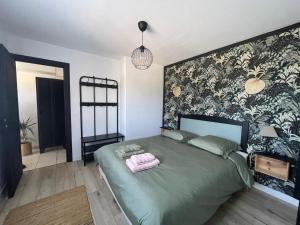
(188, 186)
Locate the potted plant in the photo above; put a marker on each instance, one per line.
(25, 129)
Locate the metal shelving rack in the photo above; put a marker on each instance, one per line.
(89, 144)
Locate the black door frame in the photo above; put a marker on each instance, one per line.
(66, 68)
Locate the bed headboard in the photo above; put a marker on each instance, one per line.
(210, 125)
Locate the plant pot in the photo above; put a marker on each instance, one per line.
(26, 148)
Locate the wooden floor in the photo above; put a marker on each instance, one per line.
(247, 207)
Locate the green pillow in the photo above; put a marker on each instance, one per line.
(179, 135)
(216, 145)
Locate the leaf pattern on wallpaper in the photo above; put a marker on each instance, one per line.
(214, 85)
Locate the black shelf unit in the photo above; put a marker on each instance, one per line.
(89, 144)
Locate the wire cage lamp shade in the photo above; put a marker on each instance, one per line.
(142, 57)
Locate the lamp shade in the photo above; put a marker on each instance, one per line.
(141, 58)
(268, 131)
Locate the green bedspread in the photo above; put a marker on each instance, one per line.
(185, 189)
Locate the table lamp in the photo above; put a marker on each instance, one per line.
(268, 131)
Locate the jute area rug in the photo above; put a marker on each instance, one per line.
(67, 208)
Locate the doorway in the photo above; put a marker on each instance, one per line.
(10, 146)
(66, 86)
(41, 113)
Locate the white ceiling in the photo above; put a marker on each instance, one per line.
(178, 29)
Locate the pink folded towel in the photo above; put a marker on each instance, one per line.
(142, 158)
(136, 168)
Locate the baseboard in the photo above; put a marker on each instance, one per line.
(276, 194)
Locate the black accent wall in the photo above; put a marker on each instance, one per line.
(213, 84)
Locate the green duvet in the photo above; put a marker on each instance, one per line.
(185, 189)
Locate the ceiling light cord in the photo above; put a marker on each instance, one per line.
(142, 57)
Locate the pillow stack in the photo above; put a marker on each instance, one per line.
(216, 145)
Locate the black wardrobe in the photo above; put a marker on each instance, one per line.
(50, 109)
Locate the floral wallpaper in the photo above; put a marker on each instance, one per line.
(214, 85)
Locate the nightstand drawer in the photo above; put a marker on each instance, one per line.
(272, 167)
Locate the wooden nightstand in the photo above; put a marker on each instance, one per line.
(165, 128)
(272, 165)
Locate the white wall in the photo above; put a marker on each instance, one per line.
(142, 94)
(80, 64)
(27, 100)
(3, 36)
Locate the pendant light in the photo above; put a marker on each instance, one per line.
(142, 57)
